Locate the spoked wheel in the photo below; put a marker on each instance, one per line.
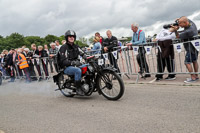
(66, 92)
(111, 85)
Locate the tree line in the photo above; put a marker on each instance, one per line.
(16, 40)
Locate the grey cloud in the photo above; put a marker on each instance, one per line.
(197, 17)
(36, 17)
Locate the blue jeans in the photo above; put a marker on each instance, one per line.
(71, 70)
(76, 71)
(190, 58)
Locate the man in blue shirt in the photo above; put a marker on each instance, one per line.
(139, 39)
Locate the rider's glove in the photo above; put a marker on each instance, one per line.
(76, 63)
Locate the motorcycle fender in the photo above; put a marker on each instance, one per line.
(56, 77)
(108, 69)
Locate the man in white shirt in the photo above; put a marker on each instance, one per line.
(165, 57)
(58, 44)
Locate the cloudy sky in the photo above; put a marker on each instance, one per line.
(42, 17)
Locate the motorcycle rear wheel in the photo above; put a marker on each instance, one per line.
(63, 90)
(110, 85)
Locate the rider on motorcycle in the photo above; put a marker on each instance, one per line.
(69, 59)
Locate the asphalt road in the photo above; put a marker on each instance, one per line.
(144, 108)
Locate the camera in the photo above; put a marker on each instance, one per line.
(167, 26)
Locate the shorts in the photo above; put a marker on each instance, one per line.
(190, 57)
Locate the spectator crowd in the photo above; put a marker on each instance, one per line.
(34, 64)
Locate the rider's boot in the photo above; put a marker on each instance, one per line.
(79, 90)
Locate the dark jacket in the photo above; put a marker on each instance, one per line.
(28, 55)
(110, 43)
(43, 53)
(68, 53)
(167, 49)
(9, 60)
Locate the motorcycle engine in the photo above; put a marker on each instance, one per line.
(85, 88)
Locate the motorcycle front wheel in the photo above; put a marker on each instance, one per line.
(66, 92)
(110, 85)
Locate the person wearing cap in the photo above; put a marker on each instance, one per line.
(23, 64)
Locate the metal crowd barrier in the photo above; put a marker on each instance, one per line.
(126, 59)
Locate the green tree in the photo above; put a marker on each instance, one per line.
(83, 40)
(80, 44)
(1, 37)
(34, 39)
(2, 44)
(61, 38)
(91, 39)
(15, 40)
(50, 38)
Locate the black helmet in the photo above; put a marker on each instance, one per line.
(70, 33)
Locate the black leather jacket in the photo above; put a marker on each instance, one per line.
(110, 43)
(69, 53)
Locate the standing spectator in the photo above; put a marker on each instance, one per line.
(23, 64)
(52, 54)
(108, 47)
(15, 66)
(10, 66)
(29, 56)
(97, 46)
(139, 39)
(2, 62)
(47, 50)
(58, 44)
(5, 52)
(43, 54)
(36, 60)
(63, 42)
(191, 56)
(97, 34)
(165, 57)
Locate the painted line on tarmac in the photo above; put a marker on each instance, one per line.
(152, 80)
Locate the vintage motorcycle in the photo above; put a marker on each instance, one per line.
(95, 78)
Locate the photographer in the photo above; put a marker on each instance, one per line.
(108, 47)
(190, 30)
(165, 57)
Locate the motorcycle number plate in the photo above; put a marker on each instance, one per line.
(100, 62)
